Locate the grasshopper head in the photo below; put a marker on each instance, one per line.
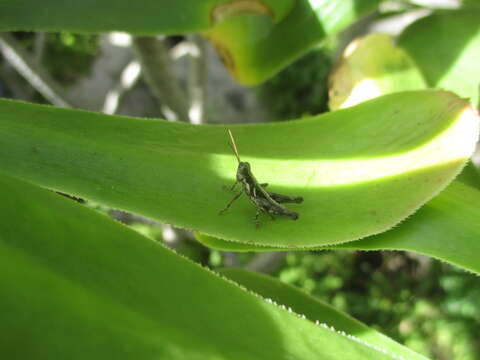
(243, 171)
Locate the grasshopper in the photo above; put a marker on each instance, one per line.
(264, 201)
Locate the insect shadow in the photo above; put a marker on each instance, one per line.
(265, 201)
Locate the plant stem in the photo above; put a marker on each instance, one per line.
(32, 72)
(127, 81)
(159, 74)
(197, 79)
(39, 47)
(266, 262)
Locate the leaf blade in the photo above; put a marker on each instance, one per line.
(141, 17)
(169, 171)
(451, 61)
(99, 288)
(315, 310)
(446, 228)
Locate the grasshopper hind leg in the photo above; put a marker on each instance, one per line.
(282, 199)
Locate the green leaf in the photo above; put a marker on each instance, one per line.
(315, 310)
(136, 17)
(470, 175)
(353, 187)
(446, 48)
(77, 285)
(225, 245)
(446, 228)
(254, 47)
(372, 66)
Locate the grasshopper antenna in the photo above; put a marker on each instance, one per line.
(233, 145)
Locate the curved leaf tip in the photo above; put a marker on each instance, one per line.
(372, 66)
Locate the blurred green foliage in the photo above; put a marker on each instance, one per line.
(68, 56)
(429, 306)
(300, 89)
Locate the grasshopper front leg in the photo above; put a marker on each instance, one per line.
(233, 186)
(230, 188)
(230, 203)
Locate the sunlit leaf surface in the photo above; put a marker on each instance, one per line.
(353, 186)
